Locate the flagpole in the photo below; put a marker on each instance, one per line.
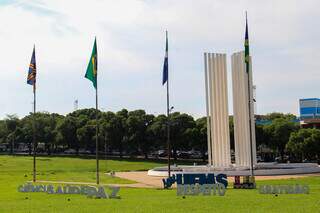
(250, 124)
(92, 75)
(168, 113)
(105, 151)
(34, 73)
(34, 132)
(249, 109)
(168, 129)
(97, 140)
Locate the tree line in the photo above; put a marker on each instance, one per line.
(133, 133)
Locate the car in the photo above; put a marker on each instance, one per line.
(84, 151)
(195, 154)
(278, 159)
(70, 151)
(259, 158)
(3, 147)
(162, 153)
(183, 155)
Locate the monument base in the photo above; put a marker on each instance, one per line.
(260, 169)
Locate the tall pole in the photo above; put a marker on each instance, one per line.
(105, 150)
(250, 125)
(92, 75)
(166, 80)
(247, 60)
(97, 140)
(34, 132)
(168, 129)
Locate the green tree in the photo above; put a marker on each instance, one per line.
(3, 131)
(275, 115)
(122, 130)
(140, 139)
(113, 130)
(158, 129)
(43, 125)
(26, 132)
(305, 144)
(179, 124)
(49, 131)
(67, 132)
(90, 114)
(262, 136)
(279, 131)
(200, 136)
(86, 136)
(12, 122)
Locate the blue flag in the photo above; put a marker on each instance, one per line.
(246, 47)
(165, 75)
(31, 79)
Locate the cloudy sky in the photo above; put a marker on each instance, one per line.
(284, 42)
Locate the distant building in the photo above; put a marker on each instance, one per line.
(310, 112)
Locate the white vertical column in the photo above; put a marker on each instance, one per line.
(217, 103)
(241, 112)
(217, 111)
(225, 116)
(207, 108)
(213, 64)
(235, 88)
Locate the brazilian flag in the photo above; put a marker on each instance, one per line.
(92, 69)
(246, 47)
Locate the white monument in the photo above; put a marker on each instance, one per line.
(219, 158)
(241, 112)
(217, 110)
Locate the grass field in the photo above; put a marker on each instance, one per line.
(69, 169)
(14, 169)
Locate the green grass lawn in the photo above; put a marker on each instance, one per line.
(69, 169)
(13, 170)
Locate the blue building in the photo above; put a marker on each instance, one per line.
(309, 108)
(310, 112)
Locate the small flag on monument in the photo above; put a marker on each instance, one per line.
(246, 47)
(165, 65)
(92, 69)
(31, 79)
